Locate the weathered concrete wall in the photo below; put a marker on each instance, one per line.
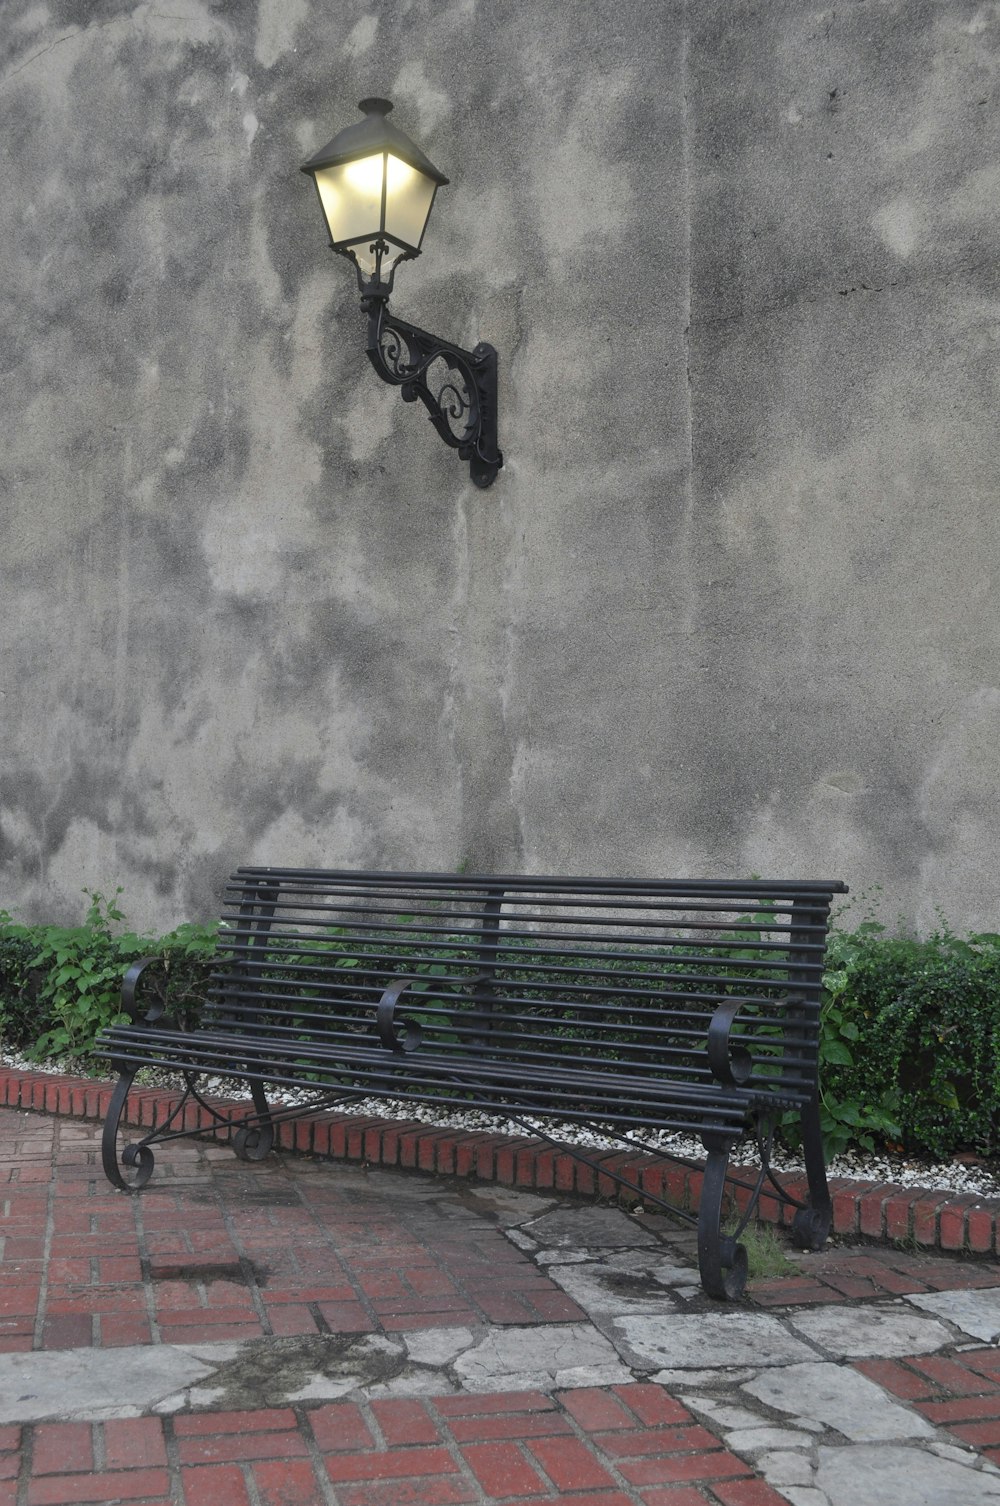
(729, 608)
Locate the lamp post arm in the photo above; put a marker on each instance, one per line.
(457, 387)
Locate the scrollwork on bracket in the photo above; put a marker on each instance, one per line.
(730, 1061)
(396, 1032)
(457, 387)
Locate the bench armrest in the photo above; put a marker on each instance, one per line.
(129, 1002)
(731, 1064)
(387, 1023)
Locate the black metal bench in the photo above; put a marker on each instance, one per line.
(630, 1005)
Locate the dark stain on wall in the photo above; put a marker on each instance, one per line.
(740, 264)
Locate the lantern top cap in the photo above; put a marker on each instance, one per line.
(367, 137)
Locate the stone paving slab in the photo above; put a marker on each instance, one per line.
(708, 1340)
(883, 1330)
(837, 1397)
(294, 1332)
(897, 1476)
(978, 1314)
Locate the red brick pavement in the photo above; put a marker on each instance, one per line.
(220, 1251)
(960, 1393)
(845, 1273)
(626, 1445)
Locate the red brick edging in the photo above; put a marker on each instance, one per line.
(927, 1218)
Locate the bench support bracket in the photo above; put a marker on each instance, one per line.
(137, 1158)
(722, 1260)
(812, 1224)
(252, 1134)
(254, 1139)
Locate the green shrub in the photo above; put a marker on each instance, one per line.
(59, 985)
(20, 983)
(924, 1054)
(848, 1114)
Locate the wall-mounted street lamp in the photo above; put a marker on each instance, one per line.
(377, 188)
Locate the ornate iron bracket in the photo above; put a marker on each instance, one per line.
(457, 387)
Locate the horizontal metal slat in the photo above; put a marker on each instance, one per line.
(568, 883)
(555, 982)
(481, 1082)
(517, 923)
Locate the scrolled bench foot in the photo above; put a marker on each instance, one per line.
(811, 1228)
(255, 1141)
(722, 1261)
(733, 1271)
(138, 1159)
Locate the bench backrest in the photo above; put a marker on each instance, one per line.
(607, 974)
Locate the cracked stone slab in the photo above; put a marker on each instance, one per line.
(706, 1340)
(903, 1476)
(721, 1413)
(509, 1206)
(725, 1415)
(975, 1312)
(589, 1229)
(682, 1379)
(282, 1371)
(563, 1356)
(782, 1468)
(437, 1346)
(753, 1440)
(863, 1332)
(87, 1385)
(632, 1282)
(840, 1398)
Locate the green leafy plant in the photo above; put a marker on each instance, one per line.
(846, 1117)
(927, 1055)
(83, 970)
(59, 985)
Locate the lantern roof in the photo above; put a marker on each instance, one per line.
(369, 136)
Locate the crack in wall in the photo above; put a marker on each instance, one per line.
(802, 297)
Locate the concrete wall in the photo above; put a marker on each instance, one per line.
(730, 607)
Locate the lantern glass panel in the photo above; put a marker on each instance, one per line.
(351, 195)
(408, 198)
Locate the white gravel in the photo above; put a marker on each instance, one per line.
(980, 1179)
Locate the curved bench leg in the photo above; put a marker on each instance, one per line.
(137, 1158)
(811, 1224)
(252, 1142)
(721, 1260)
